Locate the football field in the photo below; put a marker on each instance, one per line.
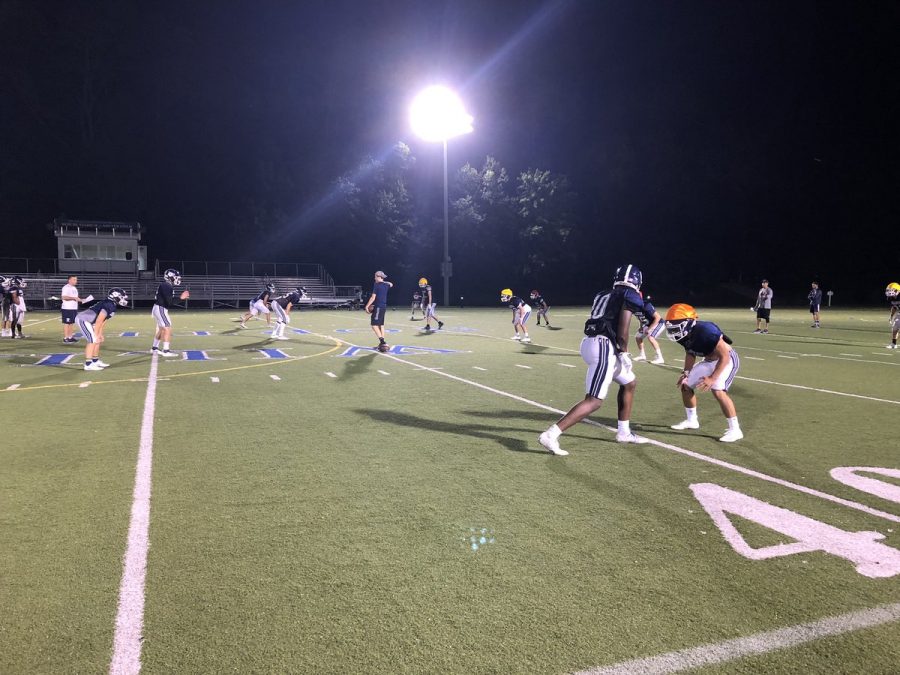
(310, 505)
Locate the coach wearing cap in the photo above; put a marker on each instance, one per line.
(763, 307)
(377, 307)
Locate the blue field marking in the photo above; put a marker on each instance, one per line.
(399, 350)
(201, 333)
(128, 333)
(199, 355)
(54, 359)
(299, 331)
(273, 354)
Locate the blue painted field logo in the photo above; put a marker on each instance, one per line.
(398, 350)
(479, 537)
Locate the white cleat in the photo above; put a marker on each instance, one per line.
(525, 339)
(658, 360)
(515, 337)
(551, 444)
(732, 435)
(92, 366)
(641, 357)
(167, 353)
(243, 325)
(102, 364)
(631, 438)
(686, 424)
(890, 346)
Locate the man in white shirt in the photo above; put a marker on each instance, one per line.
(69, 308)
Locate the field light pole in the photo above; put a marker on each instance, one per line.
(438, 114)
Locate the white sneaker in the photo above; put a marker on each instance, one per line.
(658, 360)
(515, 337)
(525, 339)
(890, 346)
(102, 364)
(732, 435)
(631, 438)
(166, 352)
(243, 325)
(552, 444)
(686, 424)
(92, 366)
(641, 357)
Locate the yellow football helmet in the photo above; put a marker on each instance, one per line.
(892, 290)
(680, 321)
(506, 295)
(423, 282)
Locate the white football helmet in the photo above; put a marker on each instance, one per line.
(118, 296)
(173, 276)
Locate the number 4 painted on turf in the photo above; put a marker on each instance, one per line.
(872, 559)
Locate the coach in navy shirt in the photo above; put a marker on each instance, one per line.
(377, 306)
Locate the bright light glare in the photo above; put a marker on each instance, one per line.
(437, 114)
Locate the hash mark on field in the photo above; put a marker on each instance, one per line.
(849, 354)
(782, 356)
(565, 365)
(519, 365)
(215, 380)
(13, 386)
(754, 358)
(477, 368)
(330, 374)
(275, 377)
(84, 384)
(384, 372)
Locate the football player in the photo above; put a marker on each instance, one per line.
(892, 293)
(20, 311)
(815, 303)
(651, 326)
(13, 290)
(416, 306)
(260, 305)
(604, 349)
(377, 307)
(537, 300)
(4, 305)
(92, 321)
(521, 312)
(715, 372)
(281, 308)
(428, 305)
(165, 299)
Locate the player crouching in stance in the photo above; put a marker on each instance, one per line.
(604, 350)
(165, 299)
(260, 305)
(537, 301)
(651, 326)
(428, 304)
(521, 312)
(91, 323)
(892, 293)
(377, 307)
(715, 372)
(281, 308)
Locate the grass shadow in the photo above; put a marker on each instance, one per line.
(358, 365)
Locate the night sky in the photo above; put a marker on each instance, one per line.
(712, 143)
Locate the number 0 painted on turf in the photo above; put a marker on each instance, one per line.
(872, 559)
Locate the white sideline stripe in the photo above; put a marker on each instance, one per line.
(126, 658)
(84, 385)
(330, 374)
(13, 386)
(214, 379)
(477, 368)
(674, 448)
(758, 643)
(565, 365)
(820, 356)
(754, 358)
(519, 365)
(275, 377)
(782, 356)
(384, 372)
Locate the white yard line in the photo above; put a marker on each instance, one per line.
(275, 377)
(84, 385)
(519, 365)
(12, 387)
(330, 374)
(842, 357)
(850, 354)
(477, 368)
(384, 372)
(785, 356)
(759, 643)
(128, 639)
(754, 358)
(566, 365)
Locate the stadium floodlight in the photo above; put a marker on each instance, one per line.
(437, 114)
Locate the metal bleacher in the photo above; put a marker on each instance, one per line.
(206, 291)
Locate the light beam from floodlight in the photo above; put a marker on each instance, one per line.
(436, 115)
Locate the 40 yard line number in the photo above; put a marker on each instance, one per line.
(863, 549)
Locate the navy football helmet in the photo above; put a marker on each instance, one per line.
(270, 288)
(118, 296)
(301, 291)
(18, 281)
(173, 276)
(628, 275)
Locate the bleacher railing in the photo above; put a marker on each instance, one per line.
(245, 269)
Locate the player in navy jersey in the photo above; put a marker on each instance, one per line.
(428, 304)
(521, 312)
(416, 306)
(377, 307)
(892, 293)
(260, 305)
(604, 349)
(11, 293)
(815, 303)
(281, 308)
(651, 327)
(540, 304)
(93, 320)
(165, 299)
(715, 372)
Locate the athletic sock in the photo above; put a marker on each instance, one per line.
(624, 427)
(733, 424)
(165, 346)
(87, 363)
(155, 343)
(95, 359)
(554, 432)
(642, 354)
(691, 414)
